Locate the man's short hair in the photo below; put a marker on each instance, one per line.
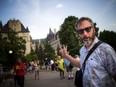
(82, 19)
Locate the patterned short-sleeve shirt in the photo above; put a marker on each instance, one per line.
(100, 66)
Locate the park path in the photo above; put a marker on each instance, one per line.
(47, 79)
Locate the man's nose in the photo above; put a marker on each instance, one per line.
(85, 33)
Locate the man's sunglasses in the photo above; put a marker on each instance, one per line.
(87, 29)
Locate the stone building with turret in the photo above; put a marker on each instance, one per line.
(23, 32)
(53, 39)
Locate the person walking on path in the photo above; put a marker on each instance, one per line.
(47, 64)
(61, 67)
(100, 69)
(13, 76)
(69, 68)
(52, 65)
(19, 68)
(36, 69)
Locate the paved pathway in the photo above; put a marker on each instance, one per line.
(47, 79)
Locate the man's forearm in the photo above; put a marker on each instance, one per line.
(73, 60)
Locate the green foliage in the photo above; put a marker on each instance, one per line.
(14, 43)
(58, 53)
(2, 53)
(68, 35)
(31, 57)
(40, 53)
(45, 51)
(96, 29)
(49, 52)
(108, 37)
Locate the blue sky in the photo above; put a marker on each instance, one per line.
(40, 15)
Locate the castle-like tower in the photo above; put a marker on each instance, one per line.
(53, 39)
(17, 26)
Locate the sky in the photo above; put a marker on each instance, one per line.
(41, 15)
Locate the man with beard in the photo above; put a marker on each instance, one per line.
(100, 69)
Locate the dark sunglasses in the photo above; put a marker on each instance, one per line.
(87, 29)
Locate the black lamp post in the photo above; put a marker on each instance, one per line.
(10, 59)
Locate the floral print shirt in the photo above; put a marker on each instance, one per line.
(100, 66)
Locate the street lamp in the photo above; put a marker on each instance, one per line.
(10, 51)
(46, 58)
(10, 58)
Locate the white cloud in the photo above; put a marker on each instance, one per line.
(59, 5)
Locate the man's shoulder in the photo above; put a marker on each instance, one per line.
(105, 46)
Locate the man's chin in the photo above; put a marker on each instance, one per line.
(87, 43)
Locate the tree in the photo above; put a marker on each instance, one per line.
(2, 45)
(31, 57)
(40, 53)
(108, 37)
(12, 43)
(49, 52)
(96, 29)
(68, 35)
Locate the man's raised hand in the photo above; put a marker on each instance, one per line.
(63, 50)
